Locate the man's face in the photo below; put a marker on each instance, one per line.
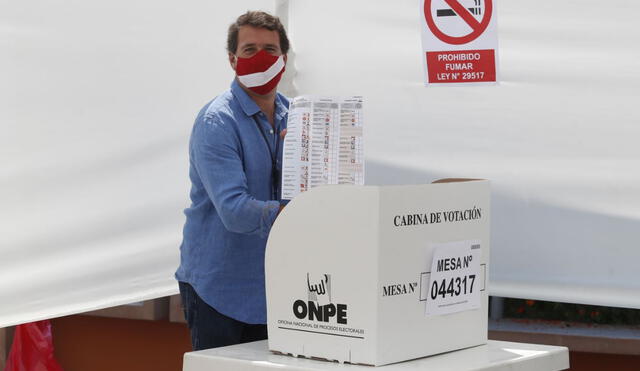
(252, 39)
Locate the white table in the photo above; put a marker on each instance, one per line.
(495, 356)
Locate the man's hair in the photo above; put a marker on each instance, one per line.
(260, 20)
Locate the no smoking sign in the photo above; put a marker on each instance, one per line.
(460, 42)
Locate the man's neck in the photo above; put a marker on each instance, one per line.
(267, 103)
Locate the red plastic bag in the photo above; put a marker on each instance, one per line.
(32, 348)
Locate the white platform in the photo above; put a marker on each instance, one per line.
(495, 356)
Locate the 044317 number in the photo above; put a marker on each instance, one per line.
(455, 286)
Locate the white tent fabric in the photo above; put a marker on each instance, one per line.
(558, 137)
(97, 101)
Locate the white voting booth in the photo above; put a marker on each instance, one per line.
(348, 272)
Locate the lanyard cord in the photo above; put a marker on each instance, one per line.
(275, 181)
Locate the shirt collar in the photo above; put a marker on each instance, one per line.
(281, 110)
(249, 107)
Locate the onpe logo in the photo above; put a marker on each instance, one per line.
(319, 305)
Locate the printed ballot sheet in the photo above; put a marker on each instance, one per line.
(323, 144)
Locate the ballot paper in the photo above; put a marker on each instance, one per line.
(323, 144)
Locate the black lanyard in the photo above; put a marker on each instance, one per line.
(275, 174)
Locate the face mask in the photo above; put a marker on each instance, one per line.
(260, 72)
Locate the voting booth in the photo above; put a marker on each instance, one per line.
(379, 274)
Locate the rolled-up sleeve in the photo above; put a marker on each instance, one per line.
(216, 153)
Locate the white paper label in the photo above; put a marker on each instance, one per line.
(455, 279)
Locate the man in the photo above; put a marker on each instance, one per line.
(235, 156)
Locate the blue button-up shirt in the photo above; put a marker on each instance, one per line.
(232, 203)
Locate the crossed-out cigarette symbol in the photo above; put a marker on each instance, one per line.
(448, 12)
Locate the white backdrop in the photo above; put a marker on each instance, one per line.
(558, 137)
(97, 102)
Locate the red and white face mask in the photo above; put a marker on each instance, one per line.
(260, 72)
